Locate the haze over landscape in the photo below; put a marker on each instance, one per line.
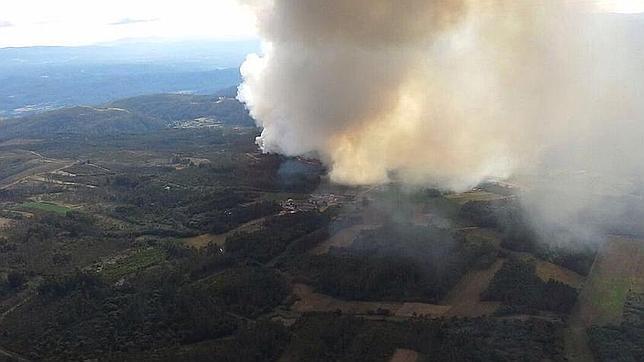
(464, 92)
(340, 180)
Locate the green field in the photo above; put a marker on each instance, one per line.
(614, 273)
(46, 206)
(134, 262)
(609, 297)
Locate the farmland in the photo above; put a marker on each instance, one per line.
(44, 206)
(190, 242)
(616, 272)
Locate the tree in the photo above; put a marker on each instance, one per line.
(16, 280)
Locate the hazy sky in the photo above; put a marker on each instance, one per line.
(80, 22)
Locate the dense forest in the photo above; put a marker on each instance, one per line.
(522, 291)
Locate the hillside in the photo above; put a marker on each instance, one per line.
(172, 107)
(188, 244)
(131, 115)
(79, 120)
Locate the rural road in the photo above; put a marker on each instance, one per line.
(8, 355)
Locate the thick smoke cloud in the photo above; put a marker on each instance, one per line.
(453, 92)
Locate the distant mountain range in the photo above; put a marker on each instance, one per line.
(207, 54)
(131, 115)
(38, 79)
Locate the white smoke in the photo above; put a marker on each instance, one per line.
(454, 92)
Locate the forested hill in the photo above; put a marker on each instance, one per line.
(174, 107)
(131, 115)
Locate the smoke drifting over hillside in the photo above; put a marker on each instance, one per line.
(451, 93)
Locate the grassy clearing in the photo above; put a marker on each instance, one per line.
(138, 260)
(342, 239)
(202, 241)
(46, 206)
(609, 298)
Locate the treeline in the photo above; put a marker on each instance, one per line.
(246, 168)
(260, 341)
(45, 225)
(521, 291)
(275, 235)
(624, 342)
(519, 235)
(174, 107)
(202, 210)
(365, 278)
(211, 207)
(336, 337)
(393, 262)
(219, 221)
(49, 243)
(178, 302)
(248, 291)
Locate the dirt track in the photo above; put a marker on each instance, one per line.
(46, 166)
(465, 296)
(8, 355)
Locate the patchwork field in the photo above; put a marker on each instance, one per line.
(17, 165)
(342, 238)
(309, 301)
(127, 263)
(134, 253)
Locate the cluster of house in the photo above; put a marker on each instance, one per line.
(316, 202)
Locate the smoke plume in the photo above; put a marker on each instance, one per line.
(450, 93)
